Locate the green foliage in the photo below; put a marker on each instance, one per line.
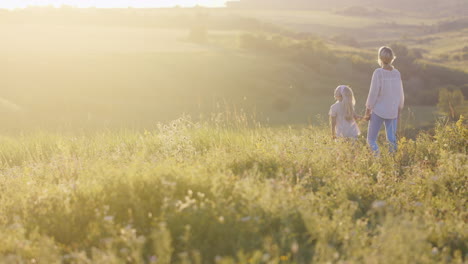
(220, 192)
(422, 81)
(452, 103)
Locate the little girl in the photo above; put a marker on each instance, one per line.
(342, 116)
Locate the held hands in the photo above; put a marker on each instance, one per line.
(367, 116)
(358, 118)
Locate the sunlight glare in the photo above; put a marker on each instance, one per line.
(111, 3)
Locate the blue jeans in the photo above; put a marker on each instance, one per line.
(375, 124)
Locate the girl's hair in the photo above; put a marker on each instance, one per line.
(348, 100)
(386, 56)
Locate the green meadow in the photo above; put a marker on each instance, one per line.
(230, 190)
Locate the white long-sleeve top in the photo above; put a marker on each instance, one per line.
(386, 95)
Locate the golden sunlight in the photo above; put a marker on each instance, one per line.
(111, 3)
(233, 131)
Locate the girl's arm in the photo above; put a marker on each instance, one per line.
(333, 126)
(357, 117)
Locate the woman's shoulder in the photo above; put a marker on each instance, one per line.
(377, 72)
(380, 71)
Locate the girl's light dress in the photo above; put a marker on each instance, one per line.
(344, 128)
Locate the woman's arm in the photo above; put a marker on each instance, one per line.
(367, 114)
(402, 98)
(373, 91)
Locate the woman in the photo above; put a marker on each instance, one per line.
(385, 100)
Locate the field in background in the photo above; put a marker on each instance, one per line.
(119, 68)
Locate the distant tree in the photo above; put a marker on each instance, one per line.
(401, 51)
(254, 42)
(444, 56)
(346, 40)
(452, 103)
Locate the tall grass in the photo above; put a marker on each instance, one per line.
(225, 191)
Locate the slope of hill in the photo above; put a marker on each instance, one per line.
(110, 72)
(437, 7)
(221, 193)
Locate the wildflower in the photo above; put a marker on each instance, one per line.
(265, 257)
(295, 247)
(378, 204)
(109, 218)
(284, 258)
(380, 176)
(245, 219)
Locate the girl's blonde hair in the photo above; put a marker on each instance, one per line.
(348, 100)
(386, 56)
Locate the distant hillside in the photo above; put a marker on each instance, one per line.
(136, 67)
(441, 7)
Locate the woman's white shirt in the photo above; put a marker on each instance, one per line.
(386, 96)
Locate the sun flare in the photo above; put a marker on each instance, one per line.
(111, 3)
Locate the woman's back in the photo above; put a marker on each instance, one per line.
(386, 95)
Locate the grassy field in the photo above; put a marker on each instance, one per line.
(445, 48)
(221, 192)
(94, 170)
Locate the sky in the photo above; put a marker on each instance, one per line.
(11, 4)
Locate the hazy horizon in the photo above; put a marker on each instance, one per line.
(113, 3)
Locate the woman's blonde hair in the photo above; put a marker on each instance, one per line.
(348, 100)
(386, 56)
